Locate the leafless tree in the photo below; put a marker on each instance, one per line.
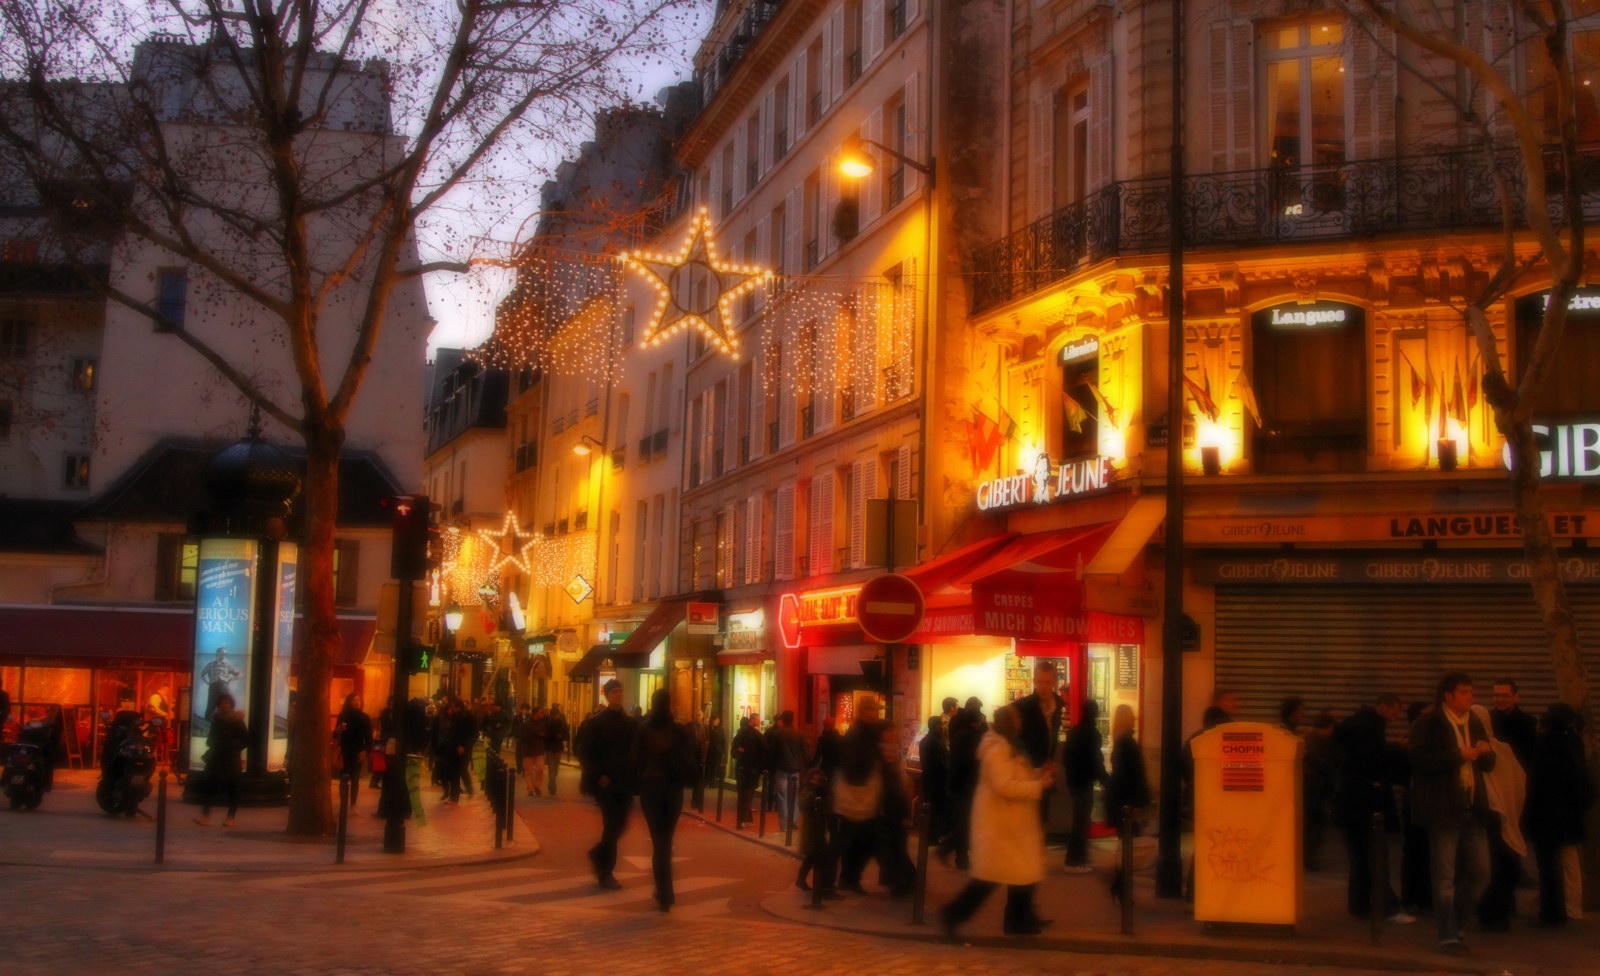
(286, 153)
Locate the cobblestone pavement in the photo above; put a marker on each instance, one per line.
(81, 890)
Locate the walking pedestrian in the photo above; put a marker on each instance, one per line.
(660, 765)
(716, 750)
(749, 759)
(1559, 792)
(531, 745)
(603, 746)
(556, 734)
(1085, 767)
(933, 752)
(1450, 755)
(354, 734)
(966, 732)
(1007, 835)
(789, 759)
(225, 746)
(871, 805)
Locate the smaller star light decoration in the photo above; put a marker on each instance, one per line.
(694, 288)
(508, 543)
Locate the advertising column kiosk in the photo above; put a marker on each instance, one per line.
(1247, 825)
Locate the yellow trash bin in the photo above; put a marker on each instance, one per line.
(1247, 824)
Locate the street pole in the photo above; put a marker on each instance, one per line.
(394, 774)
(1169, 848)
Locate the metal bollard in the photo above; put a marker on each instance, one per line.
(816, 826)
(761, 803)
(1125, 879)
(161, 816)
(344, 816)
(722, 782)
(1378, 863)
(511, 800)
(919, 895)
(791, 800)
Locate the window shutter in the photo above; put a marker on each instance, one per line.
(873, 22)
(831, 177)
(912, 9)
(1102, 123)
(1497, 44)
(916, 126)
(730, 424)
(872, 188)
(905, 483)
(1041, 195)
(729, 541)
(1232, 87)
(1372, 77)
(756, 393)
(169, 547)
(769, 113)
(833, 47)
(825, 370)
(349, 572)
(752, 539)
(788, 393)
(821, 505)
(799, 94)
(863, 487)
(783, 534)
(736, 178)
(794, 249)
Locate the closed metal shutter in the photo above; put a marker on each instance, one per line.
(1342, 646)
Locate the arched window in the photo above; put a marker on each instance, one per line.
(1309, 373)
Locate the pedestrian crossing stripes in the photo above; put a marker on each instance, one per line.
(695, 894)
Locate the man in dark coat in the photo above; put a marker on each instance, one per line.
(1450, 753)
(749, 760)
(788, 759)
(1085, 766)
(556, 733)
(1366, 787)
(604, 742)
(933, 753)
(1041, 714)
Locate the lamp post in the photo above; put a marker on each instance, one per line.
(450, 621)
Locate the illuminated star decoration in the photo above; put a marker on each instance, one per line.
(507, 543)
(694, 287)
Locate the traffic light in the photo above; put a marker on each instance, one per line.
(416, 658)
(414, 547)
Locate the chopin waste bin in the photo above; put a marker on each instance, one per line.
(1247, 824)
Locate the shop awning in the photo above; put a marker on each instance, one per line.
(596, 659)
(1038, 593)
(654, 630)
(935, 576)
(115, 637)
(355, 638)
(1129, 538)
(755, 656)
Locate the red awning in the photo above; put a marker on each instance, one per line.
(355, 638)
(115, 637)
(936, 576)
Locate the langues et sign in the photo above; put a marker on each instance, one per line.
(1047, 483)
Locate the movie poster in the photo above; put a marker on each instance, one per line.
(224, 612)
(282, 653)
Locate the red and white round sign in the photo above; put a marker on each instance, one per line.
(889, 608)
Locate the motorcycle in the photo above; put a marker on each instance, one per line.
(23, 775)
(127, 768)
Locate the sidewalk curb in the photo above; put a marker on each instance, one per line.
(750, 838)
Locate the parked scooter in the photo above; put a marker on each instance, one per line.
(24, 775)
(127, 765)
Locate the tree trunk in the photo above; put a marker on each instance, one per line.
(311, 811)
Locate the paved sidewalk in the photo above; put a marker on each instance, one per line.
(1088, 921)
(69, 828)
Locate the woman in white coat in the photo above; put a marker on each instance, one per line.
(1007, 837)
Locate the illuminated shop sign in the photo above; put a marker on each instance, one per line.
(1583, 301)
(1306, 316)
(1082, 349)
(746, 631)
(1047, 483)
(823, 608)
(1385, 569)
(1570, 450)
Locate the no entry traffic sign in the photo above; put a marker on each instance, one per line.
(889, 608)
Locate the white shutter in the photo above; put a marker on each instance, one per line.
(752, 539)
(872, 195)
(873, 22)
(821, 505)
(916, 130)
(912, 9)
(831, 178)
(825, 374)
(905, 484)
(757, 397)
(1041, 116)
(788, 393)
(1233, 124)
(730, 423)
(863, 487)
(783, 534)
(735, 179)
(729, 540)
(794, 249)
(1372, 78)
(833, 50)
(769, 112)
(1102, 123)
(799, 95)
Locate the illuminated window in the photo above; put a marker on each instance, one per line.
(172, 296)
(84, 374)
(75, 471)
(1304, 81)
(177, 560)
(1070, 152)
(1080, 379)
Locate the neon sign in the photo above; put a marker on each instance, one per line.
(1047, 483)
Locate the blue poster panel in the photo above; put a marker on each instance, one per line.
(282, 652)
(224, 611)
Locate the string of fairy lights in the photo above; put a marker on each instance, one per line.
(473, 561)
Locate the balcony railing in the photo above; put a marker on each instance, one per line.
(1407, 194)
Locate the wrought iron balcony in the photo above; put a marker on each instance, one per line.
(1407, 194)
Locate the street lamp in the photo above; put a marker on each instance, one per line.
(856, 162)
(451, 618)
(586, 445)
